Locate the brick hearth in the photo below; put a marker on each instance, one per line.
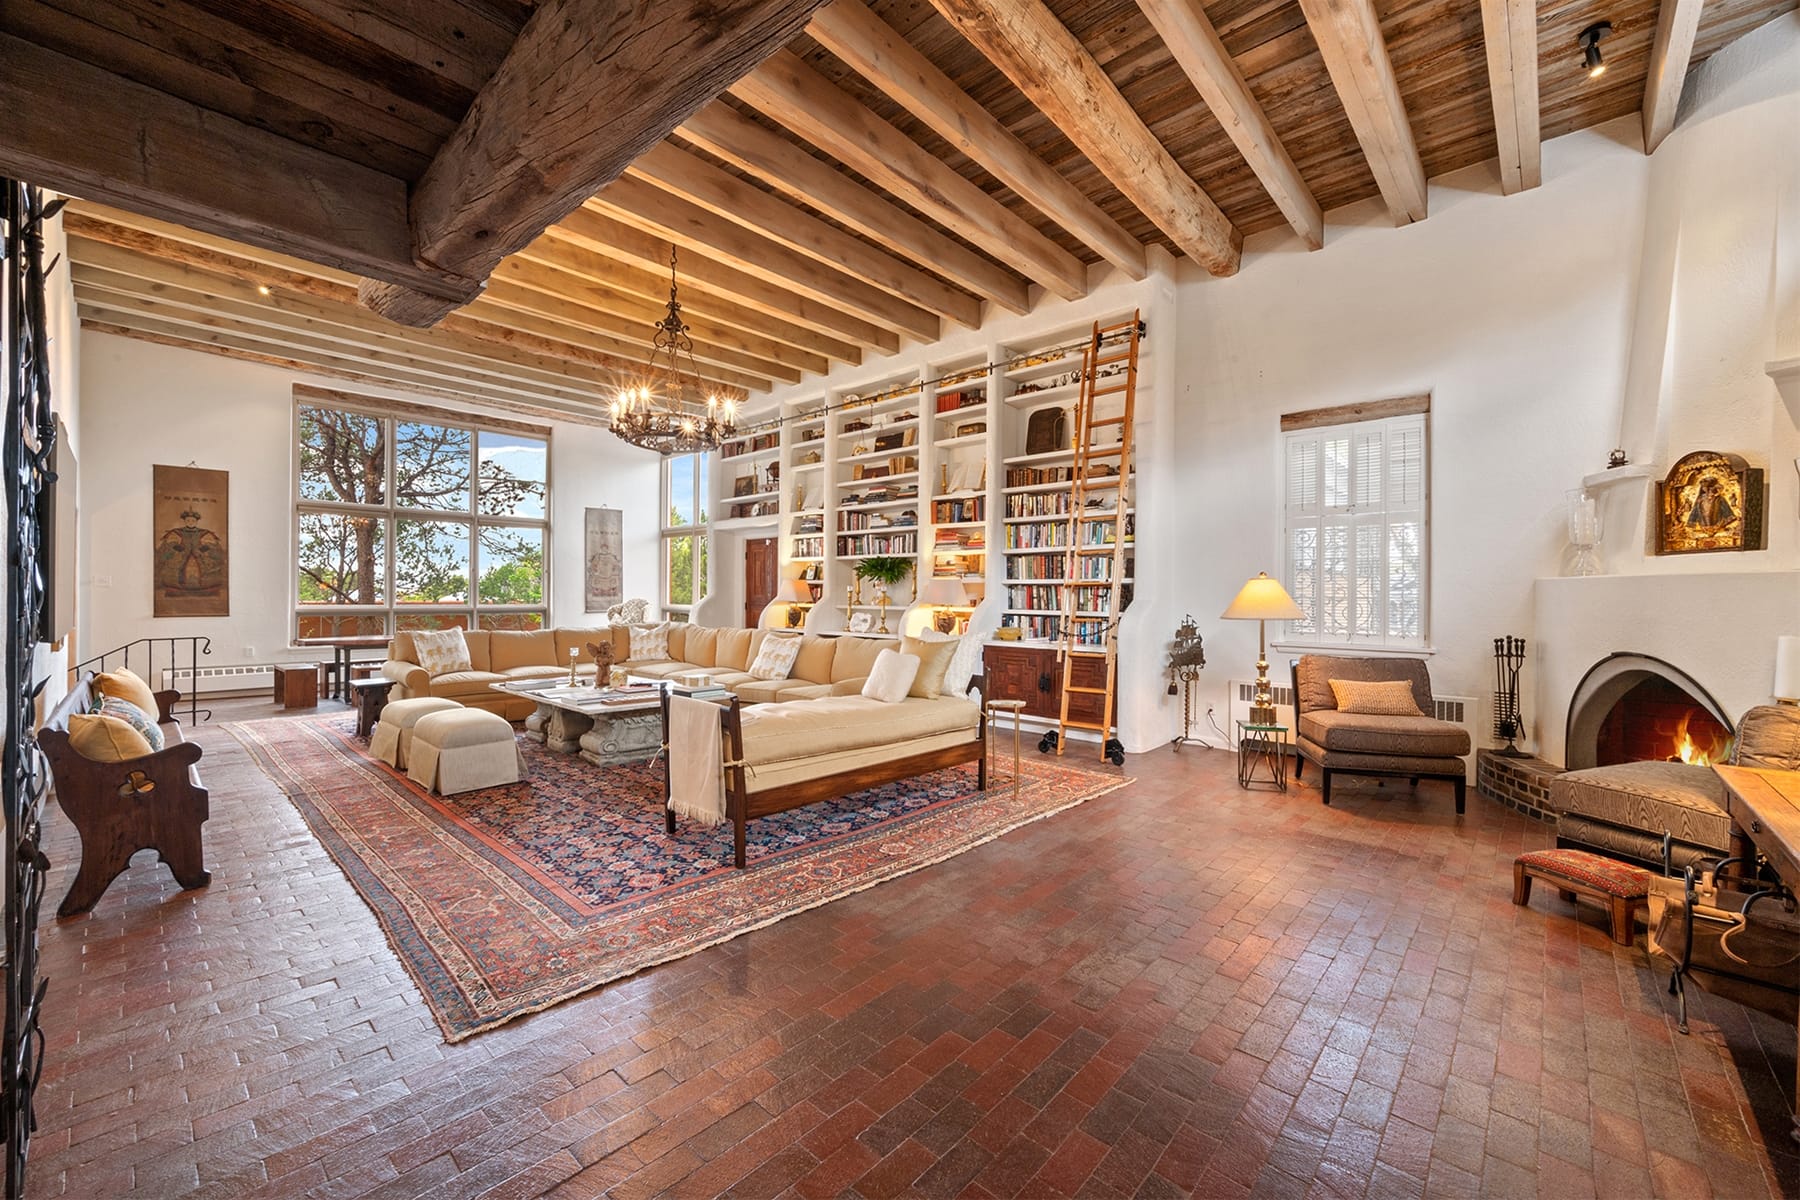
(1521, 784)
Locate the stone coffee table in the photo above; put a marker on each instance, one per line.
(571, 721)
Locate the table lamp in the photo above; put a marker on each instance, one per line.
(797, 596)
(1787, 670)
(1262, 600)
(944, 594)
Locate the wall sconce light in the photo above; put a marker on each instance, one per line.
(1589, 41)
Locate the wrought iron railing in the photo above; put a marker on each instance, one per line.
(26, 463)
(147, 656)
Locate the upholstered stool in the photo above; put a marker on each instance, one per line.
(392, 736)
(463, 750)
(1622, 887)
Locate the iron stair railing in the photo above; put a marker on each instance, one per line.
(146, 656)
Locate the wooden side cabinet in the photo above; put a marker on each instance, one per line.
(1032, 674)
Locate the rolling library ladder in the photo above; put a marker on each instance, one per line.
(1098, 526)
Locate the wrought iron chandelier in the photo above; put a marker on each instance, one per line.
(680, 414)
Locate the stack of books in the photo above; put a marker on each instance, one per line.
(700, 691)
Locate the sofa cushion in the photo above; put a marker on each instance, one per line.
(509, 648)
(734, 649)
(934, 663)
(465, 683)
(441, 651)
(965, 660)
(577, 640)
(1314, 672)
(855, 658)
(834, 724)
(768, 691)
(892, 679)
(1685, 801)
(775, 658)
(650, 643)
(128, 686)
(1410, 737)
(478, 642)
(105, 738)
(545, 672)
(678, 636)
(658, 670)
(1375, 697)
(732, 680)
(1768, 738)
(814, 661)
(796, 690)
(702, 646)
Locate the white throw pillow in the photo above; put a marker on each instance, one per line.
(963, 662)
(441, 651)
(776, 658)
(650, 643)
(891, 677)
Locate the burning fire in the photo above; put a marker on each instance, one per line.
(1689, 751)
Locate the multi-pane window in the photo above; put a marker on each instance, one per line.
(684, 533)
(1355, 531)
(417, 520)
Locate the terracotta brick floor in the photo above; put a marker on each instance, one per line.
(1180, 988)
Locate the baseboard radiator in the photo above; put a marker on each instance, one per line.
(220, 681)
(1458, 710)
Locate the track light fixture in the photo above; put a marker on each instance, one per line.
(1589, 41)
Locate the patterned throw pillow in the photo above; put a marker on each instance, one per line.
(776, 658)
(650, 643)
(133, 716)
(441, 651)
(1372, 698)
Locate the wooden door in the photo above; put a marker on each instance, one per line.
(761, 570)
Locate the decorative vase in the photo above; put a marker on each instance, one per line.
(1586, 528)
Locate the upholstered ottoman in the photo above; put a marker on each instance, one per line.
(463, 751)
(1624, 810)
(1622, 887)
(392, 736)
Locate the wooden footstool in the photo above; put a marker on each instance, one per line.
(1622, 887)
(297, 685)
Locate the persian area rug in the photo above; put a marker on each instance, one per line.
(505, 901)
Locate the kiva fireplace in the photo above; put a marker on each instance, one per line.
(1633, 708)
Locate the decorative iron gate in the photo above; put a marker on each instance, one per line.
(29, 455)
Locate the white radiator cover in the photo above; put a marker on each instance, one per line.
(213, 681)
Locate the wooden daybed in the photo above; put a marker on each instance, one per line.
(792, 753)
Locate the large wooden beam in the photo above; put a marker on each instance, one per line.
(725, 133)
(1509, 30)
(1191, 38)
(723, 194)
(798, 97)
(588, 86)
(1348, 35)
(1677, 23)
(1054, 70)
(85, 131)
(879, 54)
(653, 210)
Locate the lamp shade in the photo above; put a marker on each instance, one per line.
(944, 593)
(1262, 599)
(1787, 668)
(794, 591)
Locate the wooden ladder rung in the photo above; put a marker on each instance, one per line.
(1106, 421)
(1103, 481)
(1108, 391)
(1085, 691)
(1085, 725)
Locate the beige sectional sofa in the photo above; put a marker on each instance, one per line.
(825, 666)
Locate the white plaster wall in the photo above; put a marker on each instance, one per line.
(144, 404)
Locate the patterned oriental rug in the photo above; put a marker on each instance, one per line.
(506, 901)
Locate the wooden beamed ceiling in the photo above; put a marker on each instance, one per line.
(278, 180)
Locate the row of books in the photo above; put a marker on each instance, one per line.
(974, 508)
(955, 540)
(1032, 476)
(809, 547)
(853, 522)
(878, 543)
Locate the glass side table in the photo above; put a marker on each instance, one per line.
(1262, 748)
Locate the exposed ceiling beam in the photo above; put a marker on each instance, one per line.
(653, 210)
(1677, 23)
(613, 238)
(1348, 35)
(798, 97)
(85, 131)
(725, 133)
(879, 54)
(588, 86)
(723, 194)
(1191, 38)
(1057, 74)
(1509, 29)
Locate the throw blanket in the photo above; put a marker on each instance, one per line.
(696, 761)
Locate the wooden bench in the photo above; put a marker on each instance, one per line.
(154, 802)
(1622, 887)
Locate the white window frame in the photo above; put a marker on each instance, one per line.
(701, 529)
(389, 512)
(1349, 512)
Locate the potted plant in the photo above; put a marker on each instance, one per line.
(884, 571)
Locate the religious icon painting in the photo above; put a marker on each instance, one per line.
(1710, 501)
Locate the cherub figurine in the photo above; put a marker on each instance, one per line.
(602, 653)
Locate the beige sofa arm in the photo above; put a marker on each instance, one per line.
(849, 687)
(409, 675)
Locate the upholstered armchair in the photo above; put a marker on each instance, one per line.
(1417, 746)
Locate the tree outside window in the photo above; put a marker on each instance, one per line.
(684, 539)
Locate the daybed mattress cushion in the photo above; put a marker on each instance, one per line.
(833, 725)
(1361, 733)
(1648, 796)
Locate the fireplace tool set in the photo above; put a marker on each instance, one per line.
(1509, 656)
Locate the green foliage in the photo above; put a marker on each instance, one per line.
(887, 569)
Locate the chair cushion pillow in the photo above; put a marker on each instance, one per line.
(775, 660)
(133, 716)
(1376, 698)
(892, 678)
(127, 685)
(442, 651)
(105, 738)
(650, 643)
(934, 663)
(1408, 737)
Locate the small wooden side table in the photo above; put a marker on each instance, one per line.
(1262, 747)
(994, 708)
(370, 696)
(297, 685)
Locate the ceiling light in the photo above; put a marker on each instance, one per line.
(680, 416)
(263, 289)
(1589, 41)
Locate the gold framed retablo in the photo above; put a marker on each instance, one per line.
(1710, 501)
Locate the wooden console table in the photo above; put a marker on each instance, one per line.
(1764, 807)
